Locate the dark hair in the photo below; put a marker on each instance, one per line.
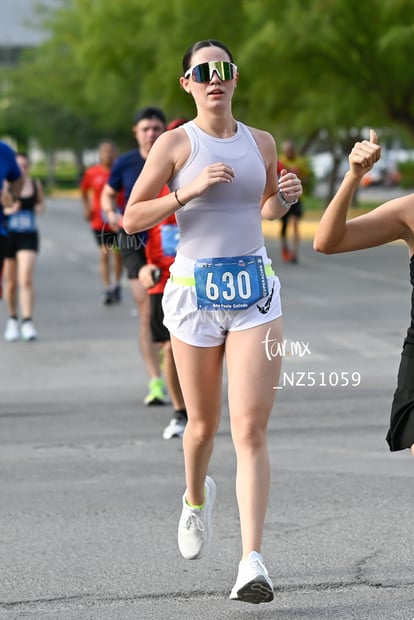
(198, 46)
(150, 113)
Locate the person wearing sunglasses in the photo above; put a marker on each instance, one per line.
(221, 302)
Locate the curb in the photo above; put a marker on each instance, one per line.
(307, 229)
(271, 229)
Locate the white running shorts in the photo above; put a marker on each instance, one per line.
(208, 328)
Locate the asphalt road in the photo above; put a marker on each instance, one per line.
(90, 492)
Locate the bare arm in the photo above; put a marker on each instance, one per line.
(167, 156)
(10, 195)
(40, 205)
(86, 203)
(289, 184)
(108, 206)
(144, 209)
(388, 222)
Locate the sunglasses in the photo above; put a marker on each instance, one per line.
(203, 73)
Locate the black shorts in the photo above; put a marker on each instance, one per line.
(17, 241)
(3, 250)
(106, 239)
(132, 250)
(295, 210)
(159, 332)
(401, 433)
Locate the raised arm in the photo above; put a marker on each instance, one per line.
(386, 223)
(280, 194)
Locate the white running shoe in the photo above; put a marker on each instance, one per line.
(195, 526)
(253, 584)
(175, 428)
(11, 333)
(27, 331)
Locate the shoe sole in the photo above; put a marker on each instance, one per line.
(255, 592)
(174, 436)
(30, 338)
(12, 338)
(155, 402)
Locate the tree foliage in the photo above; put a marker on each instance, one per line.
(305, 65)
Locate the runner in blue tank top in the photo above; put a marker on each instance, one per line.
(222, 299)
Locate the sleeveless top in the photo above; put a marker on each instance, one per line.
(24, 220)
(226, 219)
(28, 203)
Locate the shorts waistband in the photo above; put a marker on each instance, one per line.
(190, 281)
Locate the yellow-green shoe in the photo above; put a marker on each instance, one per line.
(157, 393)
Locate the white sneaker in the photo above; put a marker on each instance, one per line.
(175, 428)
(11, 333)
(27, 331)
(253, 584)
(195, 527)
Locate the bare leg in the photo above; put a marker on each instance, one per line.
(117, 265)
(283, 238)
(251, 398)
(10, 287)
(26, 260)
(200, 373)
(171, 378)
(150, 351)
(295, 235)
(105, 266)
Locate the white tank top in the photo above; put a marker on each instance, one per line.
(225, 220)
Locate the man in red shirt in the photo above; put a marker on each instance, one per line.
(92, 184)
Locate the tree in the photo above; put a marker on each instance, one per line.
(305, 65)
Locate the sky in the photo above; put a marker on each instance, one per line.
(17, 22)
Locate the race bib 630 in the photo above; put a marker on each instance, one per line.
(230, 283)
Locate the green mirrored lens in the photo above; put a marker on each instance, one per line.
(201, 73)
(226, 71)
(204, 72)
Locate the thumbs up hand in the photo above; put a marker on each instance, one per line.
(364, 155)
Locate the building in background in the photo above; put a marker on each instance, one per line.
(19, 28)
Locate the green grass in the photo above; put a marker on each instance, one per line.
(314, 207)
(66, 176)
